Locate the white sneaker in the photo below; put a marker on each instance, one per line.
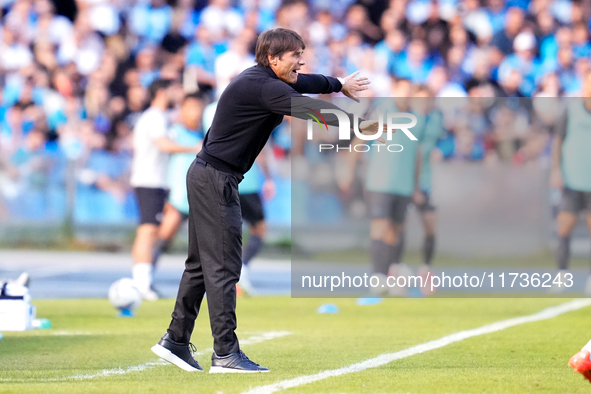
(244, 281)
(149, 295)
(382, 288)
(395, 271)
(555, 288)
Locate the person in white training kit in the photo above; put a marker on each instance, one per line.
(151, 149)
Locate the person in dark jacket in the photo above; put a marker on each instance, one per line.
(249, 109)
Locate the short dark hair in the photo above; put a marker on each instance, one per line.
(195, 95)
(158, 85)
(276, 42)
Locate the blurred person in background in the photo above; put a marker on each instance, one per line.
(473, 16)
(549, 86)
(26, 190)
(509, 127)
(221, 19)
(375, 68)
(481, 77)
(436, 33)
(293, 14)
(83, 48)
(459, 39)
(103, 190)
(189, 12)
(432, 121)
(44, 52)
(172, 48)
(566, 71)
(392, 49)
(14, 54)
(20, 20)
(232, 62)
(570, 173)
(441, 86)
(103, 15)
(551, 39)
(416, 65)
(468, 128)
(580, 41)
(56, 28)
(357, 20)
(250, 108)
(503, 40)
(325, 28)
(511, 81)
(455, 59)
(536, 141)
(150, 21)
(200, 57)
(497, 12)
(524, 61)
(135, 99)
(146, 66)
(151, 147)
(392, 182)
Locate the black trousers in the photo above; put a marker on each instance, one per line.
(214, 260)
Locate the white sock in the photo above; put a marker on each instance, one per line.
(244, 274)
(245, 280)
(142, 276)
(587, 347)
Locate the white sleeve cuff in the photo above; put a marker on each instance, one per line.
(342, 81)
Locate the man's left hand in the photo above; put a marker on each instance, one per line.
(371, 127)
(353, 85)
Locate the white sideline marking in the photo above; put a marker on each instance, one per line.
(68, 333)
(265, 336)
(386, 358)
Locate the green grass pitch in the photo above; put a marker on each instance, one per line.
(87, 338)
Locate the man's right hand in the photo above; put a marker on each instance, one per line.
(353, 85)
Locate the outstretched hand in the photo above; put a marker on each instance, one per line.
(371, 127)
(354, 85)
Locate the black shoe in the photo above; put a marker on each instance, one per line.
(234, 363)
(179, 354)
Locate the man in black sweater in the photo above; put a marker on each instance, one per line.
(252, 105)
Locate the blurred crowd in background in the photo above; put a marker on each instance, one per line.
(74, 77)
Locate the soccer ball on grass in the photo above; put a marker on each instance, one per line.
(124, 296)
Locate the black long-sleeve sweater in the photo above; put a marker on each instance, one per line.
(251, 107)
